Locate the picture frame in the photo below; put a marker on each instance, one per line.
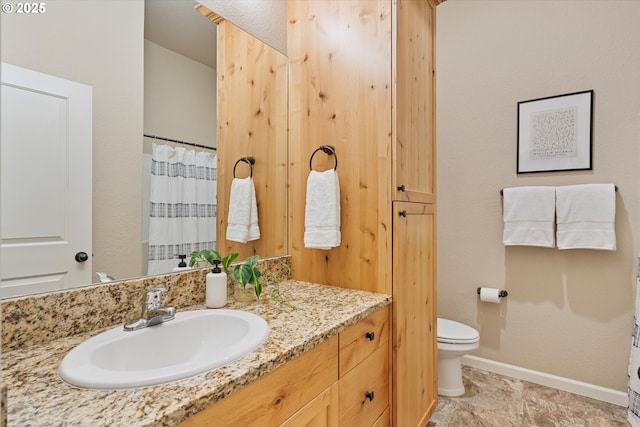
(555, 132)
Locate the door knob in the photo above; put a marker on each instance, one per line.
(81, 256)
(369, 395)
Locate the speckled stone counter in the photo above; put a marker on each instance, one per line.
(38, 397)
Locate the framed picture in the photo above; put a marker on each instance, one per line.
(554, 133)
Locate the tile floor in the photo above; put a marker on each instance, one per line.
(494, 400)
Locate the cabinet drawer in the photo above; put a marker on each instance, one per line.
(364, 391)
(361, 339)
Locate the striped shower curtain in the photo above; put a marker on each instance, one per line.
(634, 362)
(182, 211)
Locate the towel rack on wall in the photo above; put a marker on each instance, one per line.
(329, 150)
(502, 190)
(249, 160)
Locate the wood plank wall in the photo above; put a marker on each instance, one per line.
(252, 121)
(340, 94)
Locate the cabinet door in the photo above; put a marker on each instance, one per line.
(414, 102)
(414, 314)
(320, 412)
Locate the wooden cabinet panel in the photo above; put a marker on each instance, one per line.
(320, 412)
(270, 400)
(414, 329)
(364, 391)
(361, 339)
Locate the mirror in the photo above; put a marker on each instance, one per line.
(103, 45)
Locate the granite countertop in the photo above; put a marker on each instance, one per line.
(38, 397)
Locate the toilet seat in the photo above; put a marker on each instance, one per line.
(452, 332)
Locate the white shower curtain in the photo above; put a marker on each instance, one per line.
(182, 211)
(634, 362)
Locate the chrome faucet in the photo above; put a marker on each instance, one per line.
(152, 313)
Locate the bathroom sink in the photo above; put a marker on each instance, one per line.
(193, 343)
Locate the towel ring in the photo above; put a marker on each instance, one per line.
(327, 149)
(249, 160)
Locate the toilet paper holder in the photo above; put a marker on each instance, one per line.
(501, 294)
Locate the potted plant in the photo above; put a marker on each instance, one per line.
(247, 277)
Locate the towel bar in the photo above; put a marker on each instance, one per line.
(502, 190)
(249, 160)
(327, 149)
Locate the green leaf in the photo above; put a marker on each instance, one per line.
(227, 260)
(243, 274)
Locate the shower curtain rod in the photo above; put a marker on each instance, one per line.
(180, 142)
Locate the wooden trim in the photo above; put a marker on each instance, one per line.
(209, 14)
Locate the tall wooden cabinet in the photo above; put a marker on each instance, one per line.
(362, 78)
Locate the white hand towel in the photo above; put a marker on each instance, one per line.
(586, 216)
(529, 216)
(254, 229)
(242, 217)
(322, 211)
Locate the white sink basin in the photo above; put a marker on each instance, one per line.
(193, 343)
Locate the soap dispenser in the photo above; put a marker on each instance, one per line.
(216, 287)
(181, 265)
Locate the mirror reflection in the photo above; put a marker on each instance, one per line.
(141, 83)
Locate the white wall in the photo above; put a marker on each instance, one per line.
(179, 97)
(568, 313)
(99, 43)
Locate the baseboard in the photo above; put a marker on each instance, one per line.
(566, 384)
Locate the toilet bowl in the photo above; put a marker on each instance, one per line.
(454, 341)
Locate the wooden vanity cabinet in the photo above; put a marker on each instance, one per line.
(344, 381)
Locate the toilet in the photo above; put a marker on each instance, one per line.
(454, 341)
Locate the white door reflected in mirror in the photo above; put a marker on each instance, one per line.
(46, 182)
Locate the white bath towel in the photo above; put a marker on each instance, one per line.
(322, 210)
(586, 216)
(528, 215)
(242, 217)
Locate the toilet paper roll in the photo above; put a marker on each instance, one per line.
(490, 295)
